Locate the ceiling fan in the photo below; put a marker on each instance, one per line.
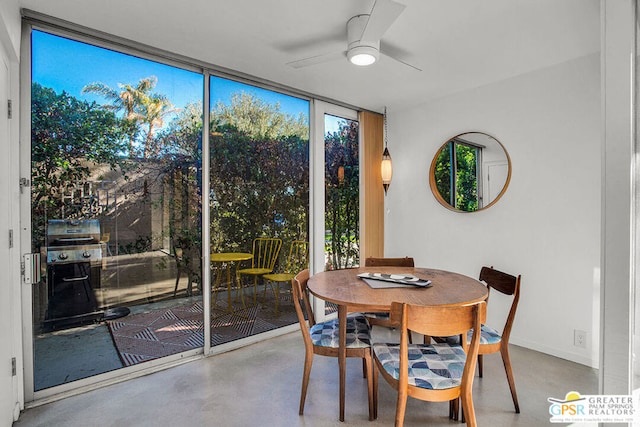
(363, 37)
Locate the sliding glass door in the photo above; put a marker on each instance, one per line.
(129, 277)
(342, 192)
(335, 191)
(115, 208)
(259, 193)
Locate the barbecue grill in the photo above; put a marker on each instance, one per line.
(74, 260)
(71, 241)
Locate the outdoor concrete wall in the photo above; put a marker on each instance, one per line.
(547, 225)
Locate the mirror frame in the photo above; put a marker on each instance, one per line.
(432, 179)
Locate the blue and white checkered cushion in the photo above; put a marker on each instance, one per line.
(327, 334)
(434, 367)
(488, 335)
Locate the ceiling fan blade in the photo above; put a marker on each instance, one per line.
(383, 15)
(396, 53)
(400, 61)
(318, 59)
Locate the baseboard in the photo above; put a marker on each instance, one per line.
(573, 357)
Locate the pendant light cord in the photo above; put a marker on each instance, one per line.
(386, 133)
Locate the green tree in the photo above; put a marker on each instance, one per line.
(67, 136)
(464, 194)
(254, 117)
(178, 157)
(182, 137)
(466, 178)
(342, 222)
(443, 173)
(155, 109)
(259, 174)
(143, 109)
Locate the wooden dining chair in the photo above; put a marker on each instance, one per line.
(265, 254)
(382, 318)
(323, 338)
(438, 372)
(297, 260)
(389, 262)
(492, 341)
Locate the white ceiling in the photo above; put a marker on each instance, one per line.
(458, 44)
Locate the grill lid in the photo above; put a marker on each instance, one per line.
(72, 231)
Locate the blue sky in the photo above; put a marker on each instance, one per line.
(68, 65)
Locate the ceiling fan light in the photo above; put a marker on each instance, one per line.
(363, 55)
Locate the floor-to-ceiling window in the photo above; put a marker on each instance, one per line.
(335, 192)
(117, 208)
(635, 314)
(259, 206)
(342, 192)
(115, 186)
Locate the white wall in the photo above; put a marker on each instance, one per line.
(620, 196)
(10, 26)
(546, 226)
(11, 335)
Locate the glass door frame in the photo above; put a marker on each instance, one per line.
(124, 373)
(316, 201)
(317, 188)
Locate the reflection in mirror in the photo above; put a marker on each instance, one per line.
(470, 172)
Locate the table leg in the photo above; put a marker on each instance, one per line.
(216, 286)
(239, 284)
(229, 287)
(228, 265)
(342, 354)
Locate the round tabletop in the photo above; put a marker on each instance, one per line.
(230, 256)
(344, 287)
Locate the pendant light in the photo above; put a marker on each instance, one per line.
(386, 167)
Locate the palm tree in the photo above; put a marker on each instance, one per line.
(156, 108)
(140, 106)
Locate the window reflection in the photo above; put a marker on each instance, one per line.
(342, 182)
(470, 172)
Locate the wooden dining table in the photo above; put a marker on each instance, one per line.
(352, 294)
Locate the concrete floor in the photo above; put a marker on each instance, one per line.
(260, 385)
(71, 354)
(141, 282)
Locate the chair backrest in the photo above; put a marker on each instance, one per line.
(389, 262)
(442, 320)
(302, 303)
(189, 261)
(298, 258)
(506, 284)
(265, 252)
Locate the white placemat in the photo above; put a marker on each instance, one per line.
(382, 280)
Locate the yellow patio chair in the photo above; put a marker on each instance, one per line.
(297, 261)
(265, 254)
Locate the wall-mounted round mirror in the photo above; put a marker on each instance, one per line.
(470, 172)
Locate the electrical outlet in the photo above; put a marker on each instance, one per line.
(579, 338)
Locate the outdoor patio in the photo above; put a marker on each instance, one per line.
(158, 324)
